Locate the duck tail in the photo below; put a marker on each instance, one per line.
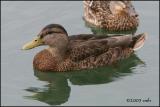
(138, 41)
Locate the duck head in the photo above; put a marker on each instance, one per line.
(53, 35)
(123, 16)
(123, 7)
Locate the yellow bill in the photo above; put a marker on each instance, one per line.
(32, 44)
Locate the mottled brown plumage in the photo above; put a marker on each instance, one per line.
(112, 15)
(84, 51)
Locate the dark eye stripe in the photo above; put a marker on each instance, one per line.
(50, 32)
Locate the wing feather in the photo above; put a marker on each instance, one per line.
(84, 46)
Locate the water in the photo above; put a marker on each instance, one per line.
(136, 77)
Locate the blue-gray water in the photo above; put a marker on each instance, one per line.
(136, 77)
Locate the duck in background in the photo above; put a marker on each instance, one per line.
(111, 15)
(83, 51)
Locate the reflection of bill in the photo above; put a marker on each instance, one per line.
(57, 90)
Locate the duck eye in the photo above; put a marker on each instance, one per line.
(49, 32)
(136, 15)
(35, 40)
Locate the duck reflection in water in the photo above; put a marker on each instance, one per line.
(57, 90)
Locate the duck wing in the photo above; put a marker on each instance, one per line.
(77, 39)
(81, 47)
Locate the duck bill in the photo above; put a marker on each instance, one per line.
(32, 44)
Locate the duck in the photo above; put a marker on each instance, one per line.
(111, 15)
(82, 51)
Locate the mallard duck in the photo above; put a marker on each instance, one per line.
(111, 15)
(83, 51)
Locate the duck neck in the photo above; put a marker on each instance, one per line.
(57, 53)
